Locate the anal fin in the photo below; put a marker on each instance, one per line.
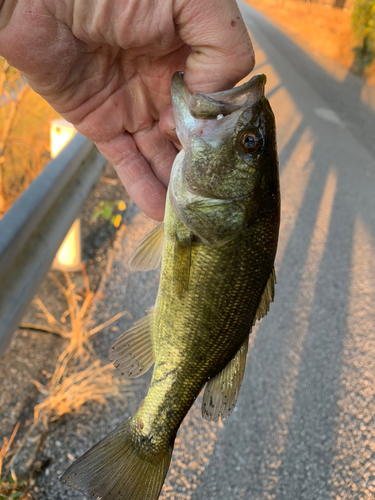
(133, 352)
(221, 392)
(149, 251)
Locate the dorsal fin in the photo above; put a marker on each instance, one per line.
(148, 254)
(133, 352)
(221, 392)
(267, 297)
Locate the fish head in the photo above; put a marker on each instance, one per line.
(228, 162)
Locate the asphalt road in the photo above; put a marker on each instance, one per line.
(304, 424)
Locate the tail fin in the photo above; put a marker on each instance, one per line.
(114, 470)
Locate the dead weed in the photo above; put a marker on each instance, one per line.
(79, 376)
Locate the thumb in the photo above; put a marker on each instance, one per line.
(222, 53)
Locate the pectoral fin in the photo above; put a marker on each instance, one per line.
(133, 352)
(149, 251)
(221, 392)
(267, 297)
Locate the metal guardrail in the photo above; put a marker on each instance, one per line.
(33, 229)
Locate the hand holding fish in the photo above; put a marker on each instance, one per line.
(106, 67)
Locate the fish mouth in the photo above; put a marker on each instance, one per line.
(209, 106)
(213, 115)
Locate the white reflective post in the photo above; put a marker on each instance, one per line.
(68, 257)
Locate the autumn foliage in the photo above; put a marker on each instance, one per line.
(24, 135)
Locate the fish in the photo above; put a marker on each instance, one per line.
(217, 246)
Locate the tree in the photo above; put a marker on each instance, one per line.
(12, 91)
(24, 135)
(339, 4)
(363, 23)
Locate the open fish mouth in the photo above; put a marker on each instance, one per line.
(212, 116)
(209, 119)
(210, 106)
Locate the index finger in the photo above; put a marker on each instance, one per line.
(142, 185)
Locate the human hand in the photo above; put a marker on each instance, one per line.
(106, 66)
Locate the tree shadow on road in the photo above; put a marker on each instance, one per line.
(292, 406)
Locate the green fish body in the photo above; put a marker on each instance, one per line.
(218, 244)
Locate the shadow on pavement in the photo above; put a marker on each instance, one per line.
(285, 441)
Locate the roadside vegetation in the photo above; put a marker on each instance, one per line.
(79, 377)
(24, 135)
(363, 22)
(109, 210)
(347, 36)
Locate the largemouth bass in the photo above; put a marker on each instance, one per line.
(218, 244)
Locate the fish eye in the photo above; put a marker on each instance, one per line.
(250, 143)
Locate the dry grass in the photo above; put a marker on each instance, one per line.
(79, 376)
(10, 487)
(6, 446)
(323, 27)
(73, 324)
(69, 389)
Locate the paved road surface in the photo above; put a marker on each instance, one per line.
(305, 428)
(304, 425)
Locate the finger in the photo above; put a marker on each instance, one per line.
(167, 126)
(222, 52)
(158, 150)
(142, 185)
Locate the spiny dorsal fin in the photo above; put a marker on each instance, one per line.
(115, 469)
(221, 392)
(133, 352)
(267, 297)
(149, 251)
(181, 264)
